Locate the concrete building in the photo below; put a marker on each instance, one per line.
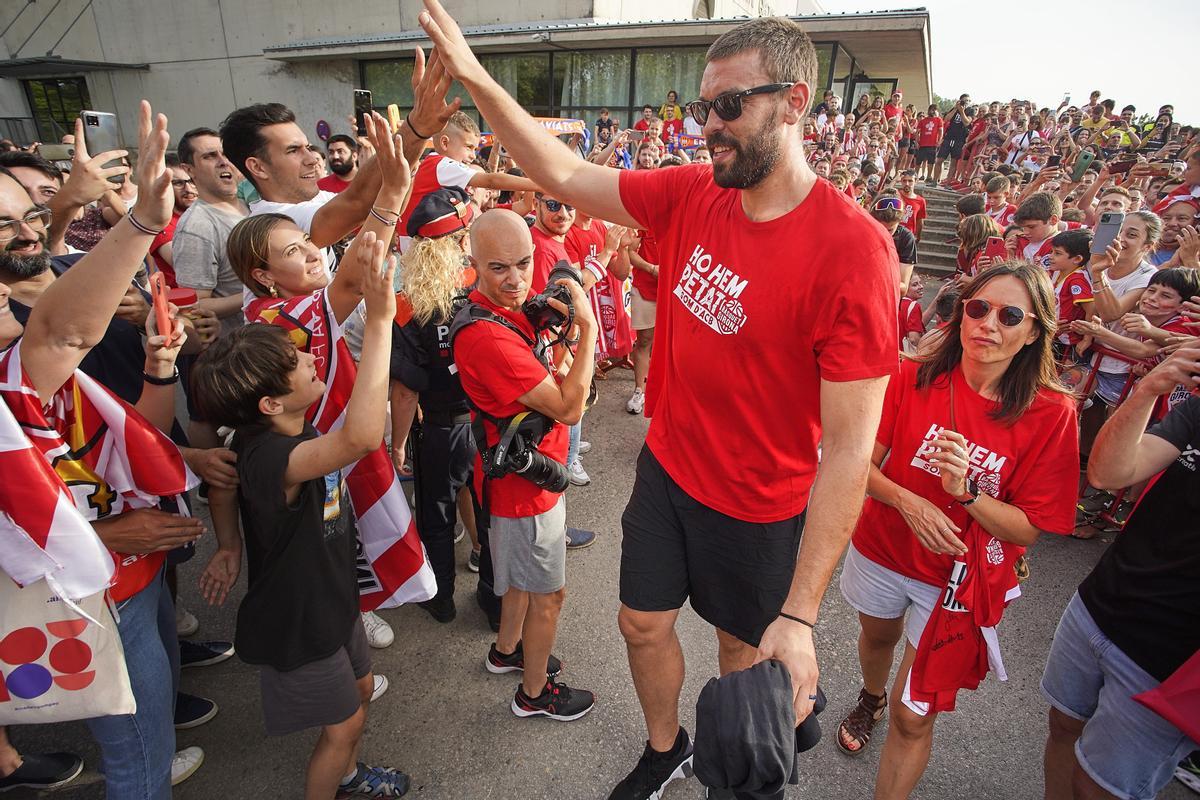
(199, 59)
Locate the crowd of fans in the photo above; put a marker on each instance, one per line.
(353, 263)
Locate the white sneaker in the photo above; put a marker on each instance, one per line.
(578, 476)
(185, 621)
(584, 447)
(379, 633)
(637, 402)
(459, 532)
(381, 686)
(185, 763)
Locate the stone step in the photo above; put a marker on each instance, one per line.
(937, 247)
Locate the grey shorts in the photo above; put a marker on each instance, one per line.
(530, 553)
(320, 693)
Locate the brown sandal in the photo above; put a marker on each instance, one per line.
(859, 723)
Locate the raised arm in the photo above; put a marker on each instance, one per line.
(544, 158)
(72, 315)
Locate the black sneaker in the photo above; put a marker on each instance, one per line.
(203, 654)
(441, 607)
(655, 770)
(43, 771)
(192, 711)
(498, 663)
(557, 701)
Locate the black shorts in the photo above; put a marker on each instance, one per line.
(926, 155)
(902, 145)
(674, 548)
(951, 148)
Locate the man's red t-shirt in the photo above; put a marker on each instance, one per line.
(645, 283)
(496, 368)
(166, 235)
(914, 212)
(671, 127)
(751, 317)
(891, 112)
(434, 172)
(928, 131)
(641, 125)
(333, 183)
(1026, 465)
(547, 251)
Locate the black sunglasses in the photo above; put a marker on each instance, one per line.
(1009, 316)
(554, 205)
(729, 105)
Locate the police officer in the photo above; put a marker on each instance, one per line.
(436, 277)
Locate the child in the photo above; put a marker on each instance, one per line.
(300, 618)
(1070, 252)
(1039, 219)
(998, 207)
(1157, 319)
(912, 326)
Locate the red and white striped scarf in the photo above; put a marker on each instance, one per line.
(85, 455)
(392, 566)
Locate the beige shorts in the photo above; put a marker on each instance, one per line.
(641, 311)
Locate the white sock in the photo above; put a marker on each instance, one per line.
(350, 776)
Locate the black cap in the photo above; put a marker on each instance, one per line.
(441, 212)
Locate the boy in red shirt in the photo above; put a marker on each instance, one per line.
(1039, 219)
(912, 324)
(1070, 252)
(913, 217)
(998, 207)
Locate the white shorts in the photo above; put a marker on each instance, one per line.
(641, 311)
(879, 592)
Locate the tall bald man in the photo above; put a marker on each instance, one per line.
(760, 353)
(511, 381)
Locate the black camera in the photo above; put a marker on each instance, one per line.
(537, 309)
(517, 452)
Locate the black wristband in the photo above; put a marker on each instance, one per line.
(804, 622)
(408, 122)
(150, 379)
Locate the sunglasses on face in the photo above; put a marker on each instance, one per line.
(1009, 316)
(888, 203)
(728, 106)
(554, 206)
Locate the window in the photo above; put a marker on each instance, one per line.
(592, 79)
(56, 105)
(659, 71)
(824, 70)
(390, 82)
(526, 77)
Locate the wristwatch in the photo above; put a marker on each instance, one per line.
(972, 493)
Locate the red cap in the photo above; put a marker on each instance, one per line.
(182, 297)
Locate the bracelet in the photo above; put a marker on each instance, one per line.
(384, 219)
(408, 122)
(804, 622)
(154, 381)
(134, 222)
(388, 210)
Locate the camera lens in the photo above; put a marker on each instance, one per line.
(545, 472)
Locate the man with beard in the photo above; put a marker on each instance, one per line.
(737, 388)
(343, 163)
(1181, 213)
(184, 189)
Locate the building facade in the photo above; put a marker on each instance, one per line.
(199, 59)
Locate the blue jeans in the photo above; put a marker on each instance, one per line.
(576, 433)
(136, 749)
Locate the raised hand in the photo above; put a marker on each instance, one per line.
(377, 276)
(160, 359)
(430, 84)
(389, 155)
(155, 200)
(89, 178)
(451, 51)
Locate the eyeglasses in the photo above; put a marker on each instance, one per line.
(553, 206)
(182, 182)
(9, 228)
(729, 105)
(888, 203)
(1009, 316)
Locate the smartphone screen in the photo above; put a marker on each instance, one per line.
(1054, 161)
(1120, 167)
(100, 135)
(362, 107)
(1106, 231)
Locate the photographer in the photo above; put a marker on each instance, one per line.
(523, 399)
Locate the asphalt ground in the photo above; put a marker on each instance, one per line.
(446, 720)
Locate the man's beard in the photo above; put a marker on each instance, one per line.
(341, 168)
(24, 267)
(752, 162)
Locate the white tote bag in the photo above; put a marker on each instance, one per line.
(56, 664)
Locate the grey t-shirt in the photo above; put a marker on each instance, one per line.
(201, 260)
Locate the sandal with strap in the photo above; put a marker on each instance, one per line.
(859, 723)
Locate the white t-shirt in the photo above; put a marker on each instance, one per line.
(1138, 279)
(1018, 144)
(691, 127)
(838, 121)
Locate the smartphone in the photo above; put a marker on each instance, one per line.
(57, 152)
(100, 134)
(394, 118)
(362, 107)
(995, 249)
(162, 314)
(1160, 170)
(1120, 167)
(1054, 161)
(636, 136)
(1106, 232)
(1082, 163)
